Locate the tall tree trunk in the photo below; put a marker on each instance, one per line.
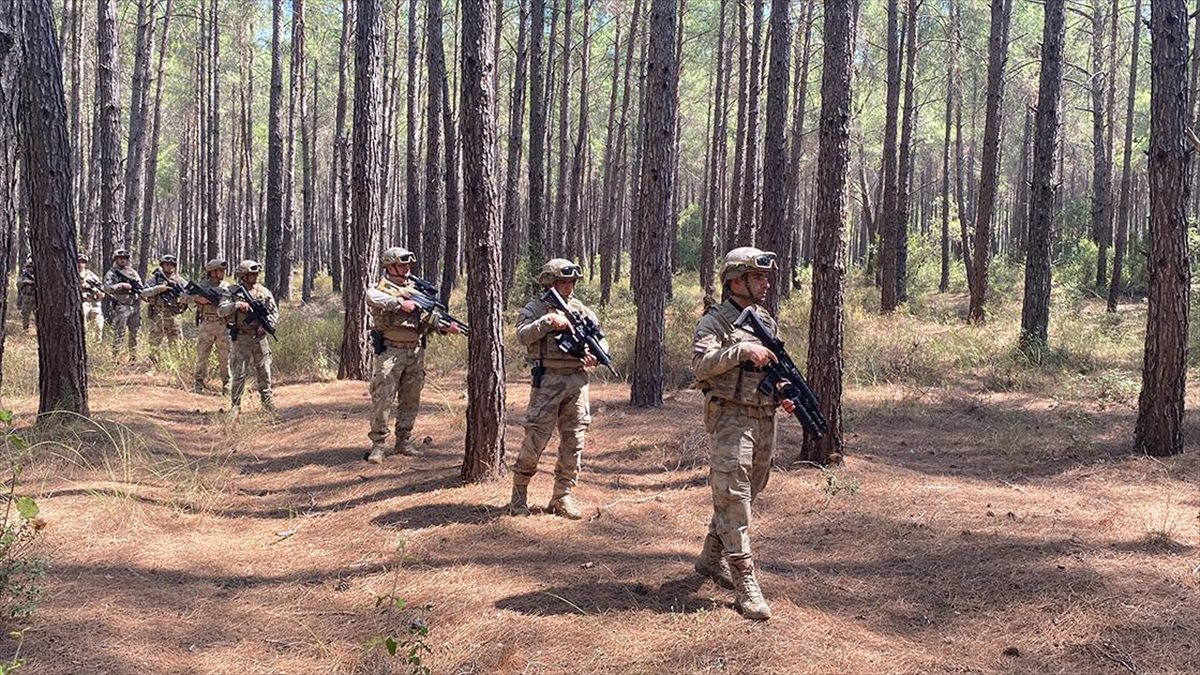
(74, 58)
(135, 152)
(109, 131)
(990, 166)
(275, 183)
(12, 58)
(213, 180)
(733, 228)
(537, 133)
(435, 195)
(574, 228)
(775, 149)
(309, 192)
(412, 149)
(1020, 223)
(944, 283)
(1159, 429)
(747, 224)
(149, 201)
(362, 245)
(295, 117)
(1101, 163)
(905, 180)
(827, 323)
(484, 456)
(889, 296)
(1123, 215)
(453, 210)
(610, 246)
(62, 352)
(712, 210)
(1035, 311)
(799, 111)
(341, 197)
(654, 193)
(564, 133)
(510, 226)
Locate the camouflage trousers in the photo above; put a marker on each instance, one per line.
(212, 335)
(246, 351)
(562, 402)
(742, 440)
(93, 315)
(397, 376)
(28, 308)
(168, 326)
(126, 318)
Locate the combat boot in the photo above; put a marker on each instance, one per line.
(712, 563)
(268, 405)
(377, 454)
(407, 448)
(749, 598)
(565, 506)
(518, 504)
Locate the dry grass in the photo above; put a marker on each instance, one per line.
(980, 524)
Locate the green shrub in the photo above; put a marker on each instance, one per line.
(21, 569)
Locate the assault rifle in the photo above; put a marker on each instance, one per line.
(584, 336)
(783, 380)
(92, 286)
(135, 284)
(209, 294)
(259, 315)
(425, 296)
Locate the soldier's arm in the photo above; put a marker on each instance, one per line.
(709, 358)
(381, 300)
(111, 282)
(595, 320)
(532, 326)
(227, 307)
(272, 310)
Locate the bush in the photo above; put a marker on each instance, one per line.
(21, 570)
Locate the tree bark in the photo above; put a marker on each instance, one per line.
(109, 131)
(341, 197)
(1159, 429)
(889, 296)
(275, 183)
(1123, 209)
(510, 226)
(412, 149)
(573, 227)
(135, 152)
(435, 195)
(1101, 167)
(905, 179)
(149, 200)
(748, 222)
(484, 457)
(989, 174)
(1035, 311)
(826, 326)
(213, 164)
(363, 241)
(655, 189)
(720, 133)
(309, 193)
(610, 246)
(944, 283)
(775, 148)
(453, 210)
(295, 117)
(799, 111)
(62, 352)
(733, 227)
(12, 57)
(537, 134)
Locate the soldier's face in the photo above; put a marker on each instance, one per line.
(250, 279)
(123, 261)
(169, 268)
(82, 266)
(399, 270)
(565, 287)
(757, 284)
(217, 274)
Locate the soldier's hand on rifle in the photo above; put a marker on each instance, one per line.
(243, 306)
(408, 306)
(788, 405)
(203, 300)
(453, 329)
(124, 286)
(558, 322)
(758, 355)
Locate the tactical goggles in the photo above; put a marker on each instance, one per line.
(764, 261)
(168, 260)
(571, 272)
(406, 258)
(253, 269)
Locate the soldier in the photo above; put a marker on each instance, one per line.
(211, 329)
(740, 422)
(26, 300)
(399, 333)
(248, 336)
(559, 394)
(92, 292)
(123, 285)
(164, 295)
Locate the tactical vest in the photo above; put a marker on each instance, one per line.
(546, 349)
(209, 312)
(259, 292)
(398, 325)
(89, 294)
(117, 275)
(737, 385)
(164, 304)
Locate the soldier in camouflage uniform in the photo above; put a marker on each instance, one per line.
(250, 341)
(26, 300)
(728, 365)
(211, 330)
(92, 292)
(398, 371)
(164, 295)
(122, 284)
(559, 396)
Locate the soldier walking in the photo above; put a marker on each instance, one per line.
(123, 284)
(26, 300)
(92, 292)
(728, 364)
(559, 393)
(164, 294)
(247, 333)
(211, 331)
(399, 331)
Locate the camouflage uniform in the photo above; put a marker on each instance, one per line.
(561, 400)
(126, 312)
(741, 425)
(251, 344)
(211, 329)
(398, 372)
(26, 300)
(165, 306)
(91, 292)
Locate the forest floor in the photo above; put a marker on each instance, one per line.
(968, 531)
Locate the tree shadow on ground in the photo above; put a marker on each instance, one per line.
(433, 515)
(674, 596)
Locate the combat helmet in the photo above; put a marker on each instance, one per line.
(397, 255)
(81, 257)
(168, 258)
(214, 265)
(745, 259)
(120, 253)
(559, 269)
(247, 267)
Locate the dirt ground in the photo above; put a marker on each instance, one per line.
(967, 532)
